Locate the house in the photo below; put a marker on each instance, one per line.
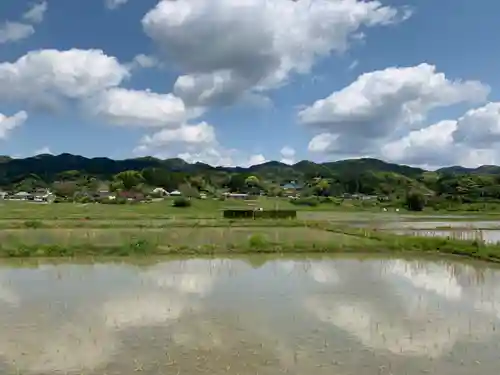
(3, 195)
(46, 197)
(105, 194)
(236, 195)
(175, 193)
(160, 192)
(131, 195)
(21, 196)
(292, 187)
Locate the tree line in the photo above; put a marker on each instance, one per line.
(360, 176)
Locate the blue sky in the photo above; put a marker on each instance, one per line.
(227, 82)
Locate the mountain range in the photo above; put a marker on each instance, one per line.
(48, 166)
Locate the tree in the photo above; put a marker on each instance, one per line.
(322, 187)
(116, 185)
(197, 182)
(65, 189)
(415, 201)
(252, 181)
(188, 191)
(70, 175)
(160, 177)
(252, 184)
(274, 190)
(236, 183)
(31, 183)
(129, 179)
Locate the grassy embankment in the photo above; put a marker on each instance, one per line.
(31, 230)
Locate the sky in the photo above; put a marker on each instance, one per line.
(242, 82)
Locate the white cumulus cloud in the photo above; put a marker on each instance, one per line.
(140, 108)
(46, 75)
(114, 4)
(383, 104)
(287, 155)
(198, 134)
(194, 143)
(226, 48)
(13, 31)
(7, 124)
(144, 61)
(43, 151)
(36, 13)
(471, 140)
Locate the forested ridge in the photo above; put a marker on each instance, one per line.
(353, 176)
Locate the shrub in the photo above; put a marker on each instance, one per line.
(33, 224)
(118, 200)
(257, 241)
(181, 202)
(85, 199)
(415, 201)
(326, 200)
(312, 202)
(121, 200)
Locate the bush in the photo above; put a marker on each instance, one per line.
(181, 202)
(415, 201)
(85, 199)
(257, 241)
(33, 224)
(118, 200)
(326, 200)
(311, 202)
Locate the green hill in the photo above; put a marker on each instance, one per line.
(365, 175)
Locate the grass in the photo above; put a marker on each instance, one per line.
(206, 209)
(74, 230)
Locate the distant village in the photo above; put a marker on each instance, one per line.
(290, 190)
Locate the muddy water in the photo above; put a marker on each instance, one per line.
(322, 316)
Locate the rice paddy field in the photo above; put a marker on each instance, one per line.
(257, 314)
(152, 289)
(69, 229)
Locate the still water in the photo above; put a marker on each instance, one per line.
(486, 235)
(249, 316)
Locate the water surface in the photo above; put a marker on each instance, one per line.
(489, 236)
(249, 316)
(473, 224)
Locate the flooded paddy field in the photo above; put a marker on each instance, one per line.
(252, 315)
(417, 225)
(487, 231)
(488, 236)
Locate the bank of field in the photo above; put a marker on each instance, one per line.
(186, 237)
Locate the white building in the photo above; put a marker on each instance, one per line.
(160, 191)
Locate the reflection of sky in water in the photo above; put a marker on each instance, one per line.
(321, 317)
